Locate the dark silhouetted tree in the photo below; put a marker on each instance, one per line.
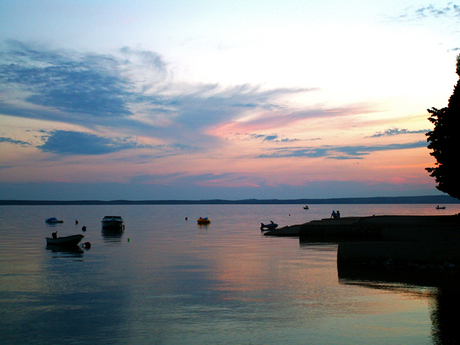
(444, 140)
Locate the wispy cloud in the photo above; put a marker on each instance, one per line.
(100, 92)
(274, 138)
(79, 143)
(285, 117)
(451, 10)
(129, 90)
(339, 152)
(15, 142)
(396, 131)
(82, 143)
(69, 82)
(203, 180)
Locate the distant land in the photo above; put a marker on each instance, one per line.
(428, 199)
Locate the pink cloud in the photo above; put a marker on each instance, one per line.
(276, 120)
(220, 183)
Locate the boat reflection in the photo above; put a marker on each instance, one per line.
(440, 286)
(112, 235)
(59, 251)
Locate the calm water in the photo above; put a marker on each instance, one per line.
(167, 280)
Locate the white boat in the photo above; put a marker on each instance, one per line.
(65, 241)
(112, 222)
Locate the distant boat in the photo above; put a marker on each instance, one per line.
(204, 220)
(440, 207)
(270, 226)
(305, 207)
(65, 241)
(112, 222)
(53, 220)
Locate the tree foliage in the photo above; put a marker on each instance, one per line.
(444, 141)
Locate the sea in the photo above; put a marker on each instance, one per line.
(167, 280)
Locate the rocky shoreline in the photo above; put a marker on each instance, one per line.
(421, 241)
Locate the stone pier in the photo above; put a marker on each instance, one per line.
(418, 240)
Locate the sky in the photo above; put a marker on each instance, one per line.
(199, 99)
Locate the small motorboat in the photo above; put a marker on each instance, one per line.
(270, 226)
(53, 220)
(65, 241)
(440, 207)
(112, 222)
(203, 220)
(305, 207)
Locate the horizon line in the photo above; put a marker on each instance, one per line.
(424, 199)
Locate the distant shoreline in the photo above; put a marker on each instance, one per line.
(428, 199)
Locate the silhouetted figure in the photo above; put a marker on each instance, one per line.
(338, 214)
(54, 234)
(333, 215)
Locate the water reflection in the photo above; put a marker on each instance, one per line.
(112, 235)
(59, 252)
(441, 287)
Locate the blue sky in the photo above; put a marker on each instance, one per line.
(211, 99)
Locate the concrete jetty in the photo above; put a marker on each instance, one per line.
(327, 229)
(418, 240)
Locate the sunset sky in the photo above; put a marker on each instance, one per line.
(147, 99)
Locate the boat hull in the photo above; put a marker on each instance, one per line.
(65, 241)
(111, 223)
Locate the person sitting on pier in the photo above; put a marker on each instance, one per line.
(333, 215)
(54, 234)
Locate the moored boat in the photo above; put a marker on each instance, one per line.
(112, 222)
(204, 220)
(64, 241)
(53, 220)
(270, 226)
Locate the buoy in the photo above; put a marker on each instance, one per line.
(128, 239)
(83, 228)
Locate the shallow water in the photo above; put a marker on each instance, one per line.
(167, 280)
